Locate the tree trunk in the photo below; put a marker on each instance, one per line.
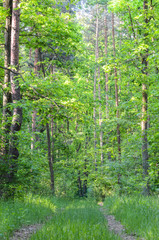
(33, 129)
(34, 138)
(85, 170)
(116, 98)
(144, 123)
(94, 92)
(80, 190)
(52, 139)
(15, 89)
(106, 74)
(36, 60)
(106, 54)
(49, 158)
(98, 80)
(6, 92)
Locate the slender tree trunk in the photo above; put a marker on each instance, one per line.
(100, 112)
(49, 158)
(36, 60)
(85, 170)
(15, 89)
(80, 190)
(144, 123)
(52, 141)
(41, 60)
(116, 98)
(33, 129)
(106, 54)
(99, 86)
(6, 92)
(94, 92)
(34, 114)
(106, 74)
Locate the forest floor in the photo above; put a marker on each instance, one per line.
(37, 217)
(113, 225)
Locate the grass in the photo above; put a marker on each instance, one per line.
(139, 215)
(78, 220)
(17, 213)
(71, 219)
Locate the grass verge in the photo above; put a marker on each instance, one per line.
(138, 214)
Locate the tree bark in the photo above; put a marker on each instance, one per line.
(15, 89)
(144, 123)
(99, 86)
(106, 74)
(94, 92)
(33, 129)
(49, 158)
(116, 98)
(52, 139)
(106, 54)
(36, 61)
(6, 87)
(34, 138)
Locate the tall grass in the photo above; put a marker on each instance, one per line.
(29, 210)
(139, 214)
(80, 220)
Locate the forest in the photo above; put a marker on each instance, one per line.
(79, 119)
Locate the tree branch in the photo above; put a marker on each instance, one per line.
(132, 26)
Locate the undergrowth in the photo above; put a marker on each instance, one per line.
(138, 214)
(79, 220)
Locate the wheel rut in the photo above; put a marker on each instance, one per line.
(116, 227)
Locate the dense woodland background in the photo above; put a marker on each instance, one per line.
(79, 97)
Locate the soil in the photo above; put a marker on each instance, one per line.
(25, 232)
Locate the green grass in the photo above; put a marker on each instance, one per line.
(30, 210)
(79, 220)
(71, 219)
(139, 214)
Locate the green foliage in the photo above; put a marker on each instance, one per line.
(62, 90)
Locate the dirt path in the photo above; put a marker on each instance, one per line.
(25, 232)
(116, 227)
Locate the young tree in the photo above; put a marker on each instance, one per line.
(116, 99)
(144, 122)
